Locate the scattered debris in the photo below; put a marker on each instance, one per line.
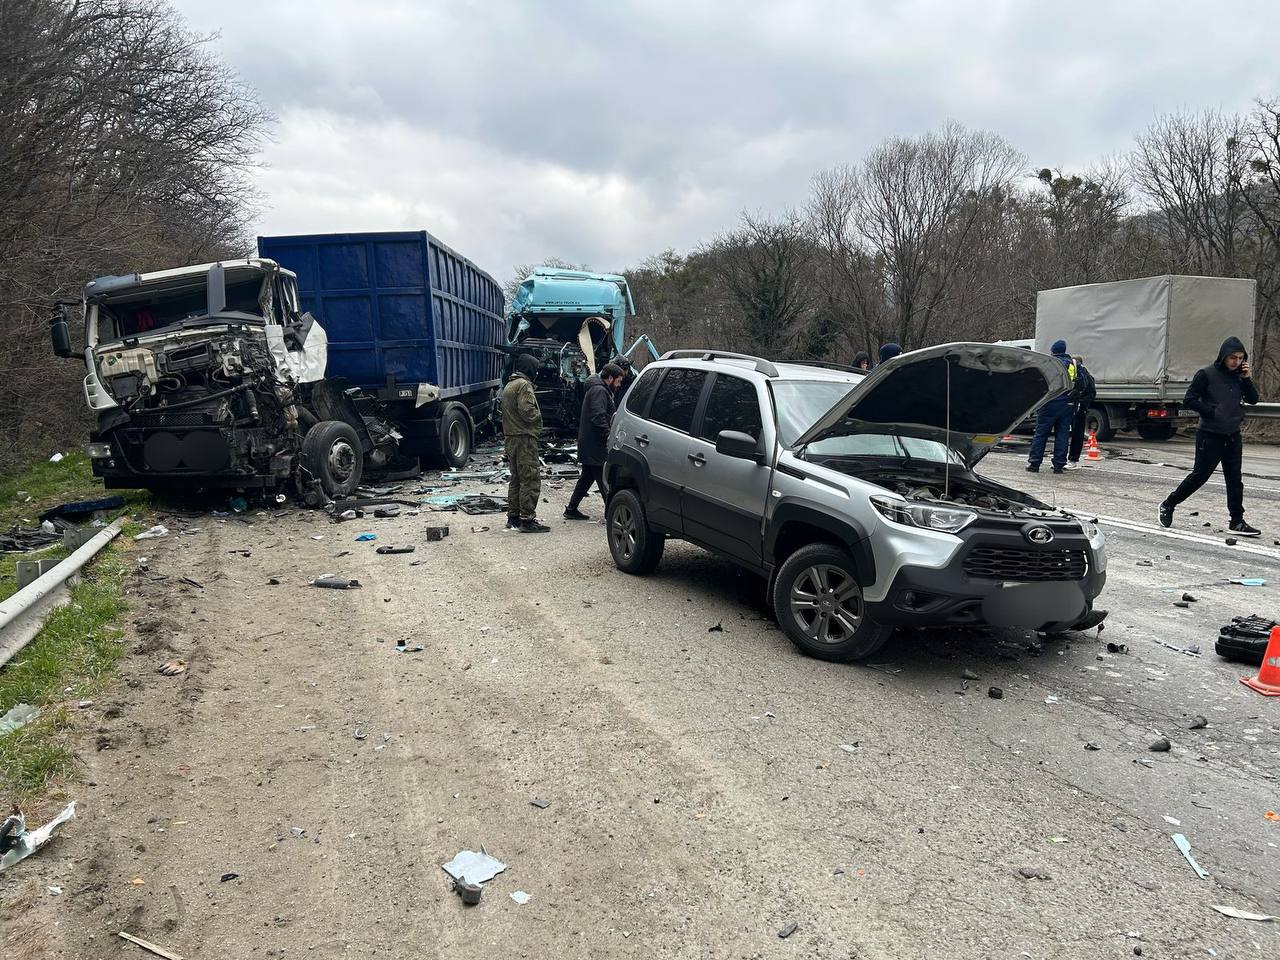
(1243, 914)
(1160, 745)
(18, 716)
(190, 582)
(172, 668)
(229, 876)
(17, 842)
(851, 747)
(520, 897)
(1198, 723)
(1272, 816)
(1245, 639)
(473, 867)
(1092, 746)
(1232, 541)
(56, 458)
(360, 734)
(788, 930)
(995, 693)
(436, 534)
(969, 675)
(392, 550)
(154, 533)
(365, 537)
(1117, 648)
(403, 647)
(1249, 581)
(386, 513)
(297, 831)
(1181, 603)
(479, 529)
(718, 628)
(334, 583)
(158, 951)
(1189, 598)
(81, 508)
(540, 804)
(1034, 873)
(1184, 845)
(470, 892)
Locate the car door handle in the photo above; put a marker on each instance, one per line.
(698, 459)
(643, 439)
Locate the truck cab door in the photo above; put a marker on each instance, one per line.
(724, 498)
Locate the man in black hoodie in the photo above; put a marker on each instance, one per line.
(1217, 393)
(593, 436)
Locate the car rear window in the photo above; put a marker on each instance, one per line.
(677, 398)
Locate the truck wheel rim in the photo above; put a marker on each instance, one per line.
(624, 532)
(827, 603)
(457, 440)
(342, 461)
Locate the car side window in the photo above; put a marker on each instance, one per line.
(732, 405)
(640, 392)
(677, 398)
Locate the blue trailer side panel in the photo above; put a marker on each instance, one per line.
(399, 309)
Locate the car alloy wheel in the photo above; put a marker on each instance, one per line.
(623, 532)
(827, 603)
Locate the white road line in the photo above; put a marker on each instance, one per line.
(1240, 547)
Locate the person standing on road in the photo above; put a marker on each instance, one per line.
(522, 426)
(1217, 393)
(1054, 416)
(1084, 390)
(628, 378)
(593, 436)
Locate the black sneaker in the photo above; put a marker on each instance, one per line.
(1033, 468)
(1244, 530)
(1166, 515)
(573, 513)
(1059, 469)
(513, 523)
(533, 526)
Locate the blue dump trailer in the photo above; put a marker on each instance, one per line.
(322, 360)
(574, 323)
(410, 321)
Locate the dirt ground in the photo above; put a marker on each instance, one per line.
(708, 787)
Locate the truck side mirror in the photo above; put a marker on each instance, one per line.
(59, 331)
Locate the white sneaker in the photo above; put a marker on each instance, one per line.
(1072, 466)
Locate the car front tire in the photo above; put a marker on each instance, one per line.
(635, 548)
(819, 605)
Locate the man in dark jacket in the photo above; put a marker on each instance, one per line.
(888, 351)
(1055, 417)
(1217, 393)
(1083, 392)
(593, 436)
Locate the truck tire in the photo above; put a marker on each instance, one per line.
(1097, 419)
(635, 547)
(331, 453)
(1157, 432)
(456, 436)
(819, 605)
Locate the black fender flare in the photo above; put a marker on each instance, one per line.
(849, 532)
(634, 467)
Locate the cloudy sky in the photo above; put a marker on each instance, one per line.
(603, 132)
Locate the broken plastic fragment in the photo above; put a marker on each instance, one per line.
(1250, 581)
(365, 537)
(159, 530)
(18, 843)
(1243, 914)
(334, 583)
(18, 716)
(520, 897)
(473, 867)
(1184, 845)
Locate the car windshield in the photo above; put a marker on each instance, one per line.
(881, 445)
(800, 403)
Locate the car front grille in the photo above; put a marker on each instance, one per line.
(1024, 566)
(178, 418)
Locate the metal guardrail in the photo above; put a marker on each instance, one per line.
(1262, 411)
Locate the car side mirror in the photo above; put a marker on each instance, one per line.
(60, 331)
(742, 446)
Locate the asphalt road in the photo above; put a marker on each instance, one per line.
(708, 787)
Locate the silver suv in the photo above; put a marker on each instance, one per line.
(853, 494)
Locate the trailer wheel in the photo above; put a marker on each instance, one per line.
(1097, 421)
(1157, 431)
(455, 436)
(331, 453)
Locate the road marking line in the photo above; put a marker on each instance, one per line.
(1175, 535)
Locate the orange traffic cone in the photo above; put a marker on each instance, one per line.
(1091, 451)
(1267, 682)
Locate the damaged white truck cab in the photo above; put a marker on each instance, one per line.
(211, 376)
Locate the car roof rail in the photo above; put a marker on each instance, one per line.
(762, 365)
(824, 364)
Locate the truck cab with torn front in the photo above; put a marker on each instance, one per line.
(855, 495)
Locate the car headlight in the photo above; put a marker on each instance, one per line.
(99, 451)
(927, 516)
(1090, 529)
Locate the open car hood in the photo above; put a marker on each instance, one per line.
(992, 389)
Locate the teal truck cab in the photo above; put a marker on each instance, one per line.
(574, 323)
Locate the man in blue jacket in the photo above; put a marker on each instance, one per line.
(1217, 393)
(1053, 416)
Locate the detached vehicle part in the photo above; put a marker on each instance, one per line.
(854, 494)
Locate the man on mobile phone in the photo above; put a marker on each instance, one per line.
(1217, 393)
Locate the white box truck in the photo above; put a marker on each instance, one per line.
(1143, 340)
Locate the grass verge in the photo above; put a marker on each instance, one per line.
(74, 657)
